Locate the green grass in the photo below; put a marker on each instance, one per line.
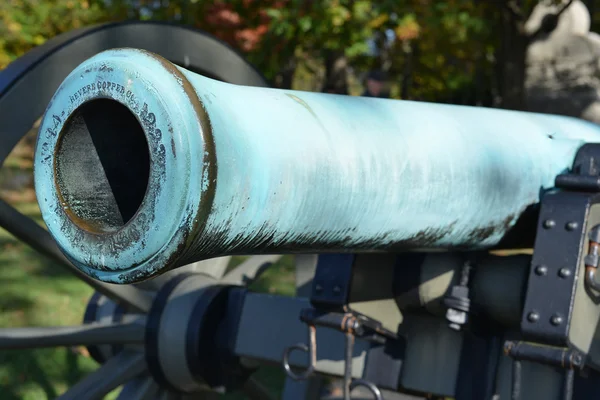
(34, 291)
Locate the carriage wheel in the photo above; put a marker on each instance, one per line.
(123, 323)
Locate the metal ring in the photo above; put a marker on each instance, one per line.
(369, 385)
(286, 363)
(590, 278)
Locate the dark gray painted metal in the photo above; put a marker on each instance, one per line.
(302, 390)
(213, 267)
(361, 393)
(28, 231)
(305, 267)
(432, 356)
(115, 372)
(255, 390)
(539, 382)
(30, 338)
(166, 395)
(141, 388)
(269, 324)
(542, 319)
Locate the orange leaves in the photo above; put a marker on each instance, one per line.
(408, 28)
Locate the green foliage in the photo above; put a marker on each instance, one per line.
(453, 41)
(25, 24)
(440, 46)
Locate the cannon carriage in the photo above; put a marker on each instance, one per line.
(149, 176)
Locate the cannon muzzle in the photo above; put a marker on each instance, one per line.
(142, 166)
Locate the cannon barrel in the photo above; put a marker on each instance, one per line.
(142, 166)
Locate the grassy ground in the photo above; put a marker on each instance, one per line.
(36, 292)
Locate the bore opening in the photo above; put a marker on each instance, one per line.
(102, 166)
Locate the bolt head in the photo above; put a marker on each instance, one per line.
(564, 272)
(318, 288)
(549, 223)
(454, 327)
(533, 317)
(337, 289)
(556, 320)
(571, 226)
(541, 270)
(456, 318)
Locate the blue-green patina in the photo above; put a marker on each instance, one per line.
(241, 170)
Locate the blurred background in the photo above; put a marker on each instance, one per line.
(518, 54)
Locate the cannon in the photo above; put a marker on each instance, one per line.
(142, 166)
(412, 224)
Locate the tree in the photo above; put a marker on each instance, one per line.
(25, 24)
(458, 51)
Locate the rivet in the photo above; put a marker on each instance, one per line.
(556, 320)
(318, 288)
(564, 272)
(549, 223)
(337, 289)
(541, 270)
(571, 226)
(533, 316)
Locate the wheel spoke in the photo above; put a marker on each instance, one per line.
(28, 231)
(167, 395)
(141, 388)
(255, 390)
(115, 372)
(89, 334)
(250, 270)
(214, 267)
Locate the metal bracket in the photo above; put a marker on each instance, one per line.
(560, 357)
(351, 326)
(555, 264)
(557, 255)
(332, 286)
(332, 281)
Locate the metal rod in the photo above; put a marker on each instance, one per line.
(167, 395)
(568, 384)
(115, 372)
(311, 349)
(84, 335)
(256, 390)
(141, 388)
(269, 324)
(349, 351)
(28, 231)
(515, 393)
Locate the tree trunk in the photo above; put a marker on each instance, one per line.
(285, 77)
(511, 58)
(410, 49)
(336, 72)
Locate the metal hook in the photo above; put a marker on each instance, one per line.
(349, 383)
(311, 349)
(369, 385)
